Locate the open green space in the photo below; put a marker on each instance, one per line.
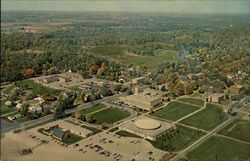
(41, 130)
(177, 139)
(8, 89)
(23, 119)
(126, 134)
(208, 118)
(37, 89)
(40, 124)
(195, 94)
(72, 139)
(109, 115)
(194, 101)
(5, 109)
(95, 130)
(221, 149)
(114, 129)
(91, 109)
(238, 129)
(175, 110)
(75, 88)
(120, 54)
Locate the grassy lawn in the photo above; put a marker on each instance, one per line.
(119, 54)
(177, 139)
(41, 131)
(72, 139)
(109, 115)
(72, 122)
(40, 124)
(75, 88)
(8, 89)
(225, 150)
(91, 109)
(196, 94)
(175, 110)
(5, 109)
(95, 130)
(114, 129)
(208, 118)
(238, 129)
(194, 101)
(226, 102)
(23, 119)
(37, 89)
(126, 134)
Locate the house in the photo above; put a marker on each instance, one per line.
(8, 103)
(50, 79)
(137, 80)
(40, 100)
(213, 87)
(216, 97)
(35, 109)
(19, 106)
(14, 117)
(236, 89)
(60, 134)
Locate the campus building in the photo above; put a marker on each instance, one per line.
(236, 89)
(64, 126)
(216, 97)
(146, 100)
(147, 127)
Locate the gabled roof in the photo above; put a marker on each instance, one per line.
(58, 132)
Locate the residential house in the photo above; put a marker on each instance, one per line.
(35, 109)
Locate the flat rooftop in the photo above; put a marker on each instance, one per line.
(147, 126)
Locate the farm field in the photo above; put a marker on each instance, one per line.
(120, 54)
(109, 116)
(208, 118)
(220, 148)
(175, 110)
(194, 101)
(177, 139)
(238, 129)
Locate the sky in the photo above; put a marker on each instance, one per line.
(172, 6)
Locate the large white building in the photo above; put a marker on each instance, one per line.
(147, 127)
(146, 99)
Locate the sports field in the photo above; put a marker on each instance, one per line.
(175, 110)
(109, 116)
(194, 101)
(177, 139)
(238, 129)
(220, 149)
(208, 118)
